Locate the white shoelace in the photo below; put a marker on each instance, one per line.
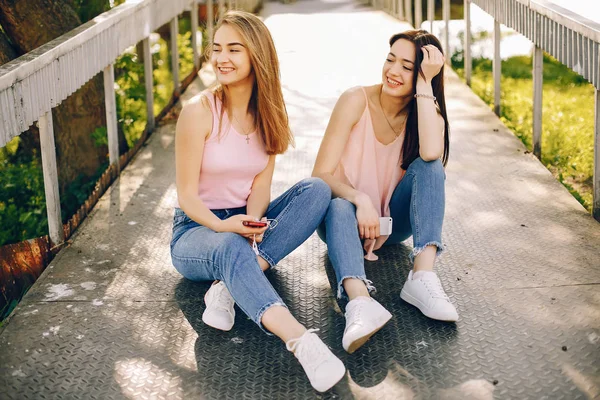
(308, 348)
(254, 245)
(224, 301)
(353, 313)
(434, 286)
(272, 225)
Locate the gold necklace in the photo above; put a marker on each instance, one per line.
(386, 118)
(242, 128)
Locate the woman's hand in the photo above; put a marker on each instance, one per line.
(367, 217)
(235, 224)
(433, 62)
(257, 237)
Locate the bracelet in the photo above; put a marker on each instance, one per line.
(427, 96)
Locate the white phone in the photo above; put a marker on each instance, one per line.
(385, 225)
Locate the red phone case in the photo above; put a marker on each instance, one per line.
(254, 224)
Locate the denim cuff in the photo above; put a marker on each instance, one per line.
(260, 313)
(342, 293)
(418, 250)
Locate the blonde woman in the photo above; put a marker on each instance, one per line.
(225, 226)
(383, 155)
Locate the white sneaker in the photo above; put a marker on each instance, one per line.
(364, 317)
(424, 291)
(219, 311)
(321, 366)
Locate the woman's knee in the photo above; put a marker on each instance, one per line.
(420, 166)
(230, 248)
(229, 241)
(232, 251)
(339, 207)
(317, 188)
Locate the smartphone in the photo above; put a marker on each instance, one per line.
(254, 224)
(385, 225)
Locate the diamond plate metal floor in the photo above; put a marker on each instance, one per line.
(111, 319)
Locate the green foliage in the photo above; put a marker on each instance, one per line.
(100, 136)
(10, 305)
(22, 199)
(567, 115)
(163, 77)
(520, 67)
(88, 9)
(131, 96)
(186, 53)
(77, 193)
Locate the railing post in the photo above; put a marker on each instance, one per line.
(596, 198)
(195, 34)
(111, 115)
(446, 13)
(430, 14)
(467, 49)
(418, 13)
(497, 67)
(221, 8)
(175, 55)
(408, 11)
(401, 10)
(210, 18)
(48, 150)
(149, 83)
(538, 80)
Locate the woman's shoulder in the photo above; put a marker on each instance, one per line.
(353, 100)
(198, 104)
(196, 114)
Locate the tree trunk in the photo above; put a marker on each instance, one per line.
(30, 24)
(7, 52)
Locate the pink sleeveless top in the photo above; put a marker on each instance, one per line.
(229, 163)
(372, 168)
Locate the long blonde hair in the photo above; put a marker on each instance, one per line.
(266, 102)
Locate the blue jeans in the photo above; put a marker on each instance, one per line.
(416, 207)
(201, 254)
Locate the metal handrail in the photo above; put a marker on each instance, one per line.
(570, 38)
(33, 84)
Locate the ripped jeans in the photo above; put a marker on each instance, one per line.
(416, 207)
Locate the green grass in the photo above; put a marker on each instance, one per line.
(567, 115)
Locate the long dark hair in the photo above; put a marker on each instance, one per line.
(410, 147)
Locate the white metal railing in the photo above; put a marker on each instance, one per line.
(570, 38)
(40, 80)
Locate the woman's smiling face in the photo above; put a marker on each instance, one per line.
(230, 58)
(398, 69)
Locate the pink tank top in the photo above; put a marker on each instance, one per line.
(371, 167)
(229, 163)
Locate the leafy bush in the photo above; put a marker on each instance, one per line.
(22, 201)
(22, 198)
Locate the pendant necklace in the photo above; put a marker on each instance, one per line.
(386, 118)
(242, 128)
